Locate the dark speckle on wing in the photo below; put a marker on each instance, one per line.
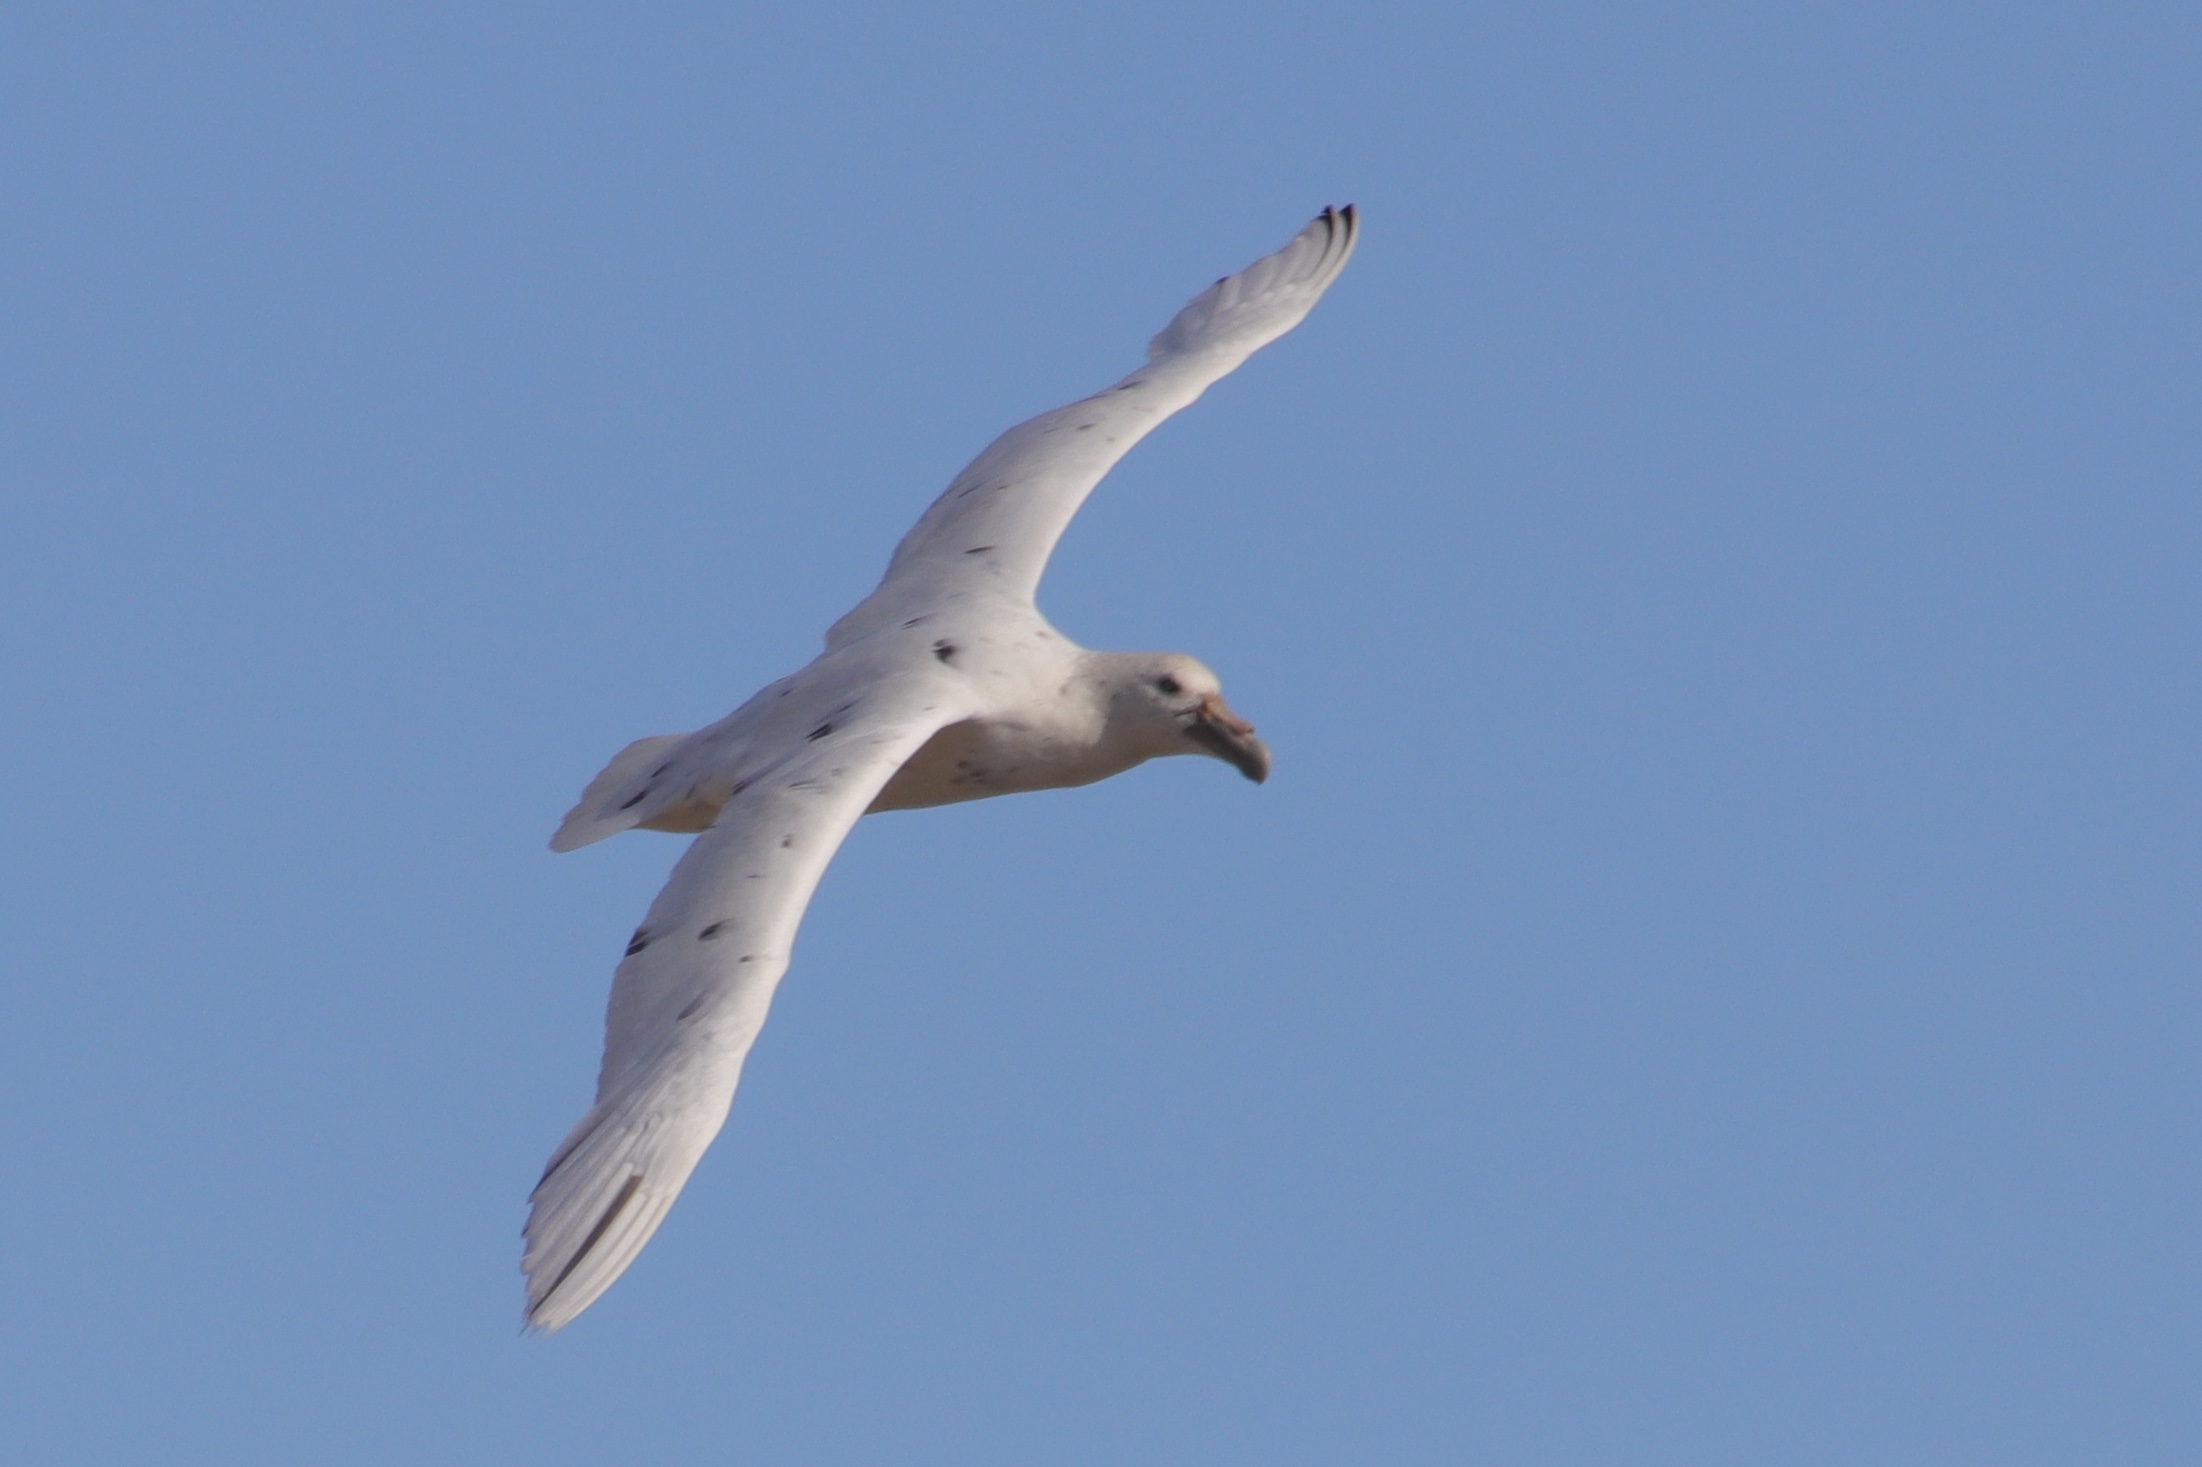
(638, 942)
(710, 932)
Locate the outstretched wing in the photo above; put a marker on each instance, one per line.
(995, 526)
(690, 996)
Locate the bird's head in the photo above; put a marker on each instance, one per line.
(1172, 704)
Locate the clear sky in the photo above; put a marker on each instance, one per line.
(1712, 980)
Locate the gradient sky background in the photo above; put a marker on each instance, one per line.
(1712, 981)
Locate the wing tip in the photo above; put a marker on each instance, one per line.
(1285, 285)
(564, 1276)
(1342, 230)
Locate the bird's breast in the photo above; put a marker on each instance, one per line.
(979, 758)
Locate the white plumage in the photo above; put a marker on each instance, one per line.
(944, 684)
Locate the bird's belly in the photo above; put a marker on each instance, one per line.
(973, 760)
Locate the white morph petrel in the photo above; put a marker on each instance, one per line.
(944, 684)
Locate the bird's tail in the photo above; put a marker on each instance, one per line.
(619, 798)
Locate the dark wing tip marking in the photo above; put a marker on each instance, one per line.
(638, 799)
(710, 932)
(596, 1234)
(945, 650)
(638, 942)
(1344, 224)
(820, 732)
(978, 550)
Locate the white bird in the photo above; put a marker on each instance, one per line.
(944, 684)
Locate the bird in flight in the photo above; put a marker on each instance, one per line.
(944, 684)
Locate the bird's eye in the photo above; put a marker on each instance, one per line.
(1169, 685)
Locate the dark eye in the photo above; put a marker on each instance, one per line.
(1168, 685)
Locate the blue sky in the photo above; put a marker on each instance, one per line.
(1711, 981)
